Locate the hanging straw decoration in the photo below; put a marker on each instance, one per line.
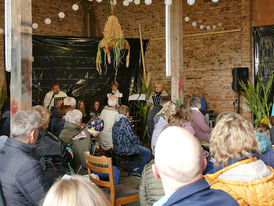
(113, 41)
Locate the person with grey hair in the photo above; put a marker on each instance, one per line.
(70, 101)
(22, 179)
(201, 128)
(108, 115)
(76, 137)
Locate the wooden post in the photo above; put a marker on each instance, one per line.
(176, 48)
(18, 30)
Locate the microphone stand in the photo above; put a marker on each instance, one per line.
(51, 100)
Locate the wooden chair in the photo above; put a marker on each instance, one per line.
(119, 194)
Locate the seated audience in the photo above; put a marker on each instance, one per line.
(234, 149)
(126, 143)
(70, 101)
(95, 109)
(268, 158)
(201, 128)
(187, 99)
(197, 93)
(75, 191)
(57, 123)
(152, 113)
(262, 137)
(108, 115)
(157, 94)
(53, 153)
(161, 119)
(54, 109)
(179, 163)
(76, 137)
(82, 108)
(21, 177)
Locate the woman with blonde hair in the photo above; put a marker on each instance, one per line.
(234, 149)
(161, 120)
(76, 191)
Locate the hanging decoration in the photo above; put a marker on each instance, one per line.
(113, 43)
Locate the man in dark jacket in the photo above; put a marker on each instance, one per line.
(21, 178)
(179, 163)
(152, 113)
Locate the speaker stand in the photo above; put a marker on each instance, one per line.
(238, 102)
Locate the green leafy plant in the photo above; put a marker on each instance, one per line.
(256, 102)
(143, 108)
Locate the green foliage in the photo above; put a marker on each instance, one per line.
(143, 107)
(257, 103)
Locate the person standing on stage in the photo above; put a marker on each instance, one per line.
(53, 96)
(156, 95)
(115, 91)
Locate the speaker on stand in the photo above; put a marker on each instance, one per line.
(239, 74)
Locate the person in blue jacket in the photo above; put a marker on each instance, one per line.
(196, 92)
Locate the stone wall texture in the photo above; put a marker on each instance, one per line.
(209, 55)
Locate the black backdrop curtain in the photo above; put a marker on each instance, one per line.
(263, 37)
(71, 61)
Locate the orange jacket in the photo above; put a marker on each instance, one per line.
(255, 192)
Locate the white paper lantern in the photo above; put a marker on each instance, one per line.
(47, 21)
(191, 2)
(34, 25)
(99, 1)
(214, 27)
(208, 27)
(148, 2)
(187, 18)
(130, 1)
(168, 2)
(194, 23)
(137, 2)
(215, 1)
(201, 26)
(61, 15)
(125, 3)
(1, 31)
(75, 7)
(220, 24)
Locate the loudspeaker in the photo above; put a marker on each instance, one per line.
(239, 74)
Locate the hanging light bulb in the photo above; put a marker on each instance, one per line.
(208, 27)
(187, 18)
(215, 1)
(130, 1)
(194, 23)
(114, 2)
(191, 2)
(61, 15)
(47, 21)
(1, 31)
(201, 26)
(34, 25)
(99, 1)
(137, 2)
(125, 3)
(168, 2)
(148, 2)
(75, 7)
(220, 24)
(214, 27)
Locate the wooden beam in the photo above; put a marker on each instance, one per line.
(18, 27)
(176, 27)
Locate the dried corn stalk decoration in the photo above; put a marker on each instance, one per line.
(113, 42)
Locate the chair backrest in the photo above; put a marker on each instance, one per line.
(103, 165)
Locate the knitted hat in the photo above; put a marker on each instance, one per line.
(97, 125)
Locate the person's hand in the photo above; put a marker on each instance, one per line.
(71, 153)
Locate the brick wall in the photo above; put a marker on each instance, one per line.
(208, 59)
(263, 12)
(71, 25)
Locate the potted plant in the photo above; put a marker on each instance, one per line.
(257, 98)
